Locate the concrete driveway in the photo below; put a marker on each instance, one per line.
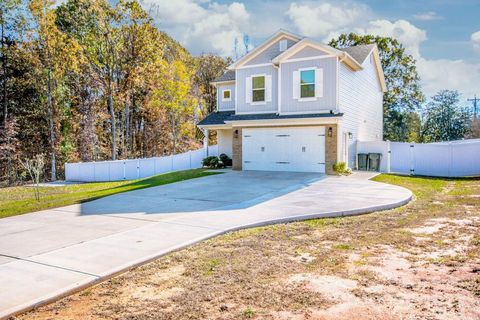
(47, 254)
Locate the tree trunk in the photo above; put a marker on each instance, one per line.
(112, 117)
(174, 133)
(127, 130)
(51, 127)
(4, 79)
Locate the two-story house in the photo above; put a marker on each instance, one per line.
(293, 104)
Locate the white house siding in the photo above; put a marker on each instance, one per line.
(325, 103)
(225, 105)
(242, 105)
(224, 142)
(271, 52)
(360, 99)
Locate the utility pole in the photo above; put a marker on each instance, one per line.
(475, 100)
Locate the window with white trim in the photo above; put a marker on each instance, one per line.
(227, 95)
(258, 88)
(283, 45)
(307, 83)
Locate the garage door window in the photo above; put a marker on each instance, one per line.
(258, 89)
(307, 84)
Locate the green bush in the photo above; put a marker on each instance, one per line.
(212, 162)
(341, 168)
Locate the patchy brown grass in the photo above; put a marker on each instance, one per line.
(421, 261)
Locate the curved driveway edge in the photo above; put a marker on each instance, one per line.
(50, 254)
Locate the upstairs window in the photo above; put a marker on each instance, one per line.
(283, 45)
(258, 89)
(307, 83)
(227, 95)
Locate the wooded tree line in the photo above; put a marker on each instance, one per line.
(88, 80)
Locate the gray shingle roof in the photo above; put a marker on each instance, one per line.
(227, 76)
(220, 117)
(359, 53)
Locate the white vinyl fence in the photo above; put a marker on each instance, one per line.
(441, 159)
(135, 168)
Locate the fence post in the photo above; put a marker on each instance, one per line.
(389, 153)
(412, 159)
(450, 160)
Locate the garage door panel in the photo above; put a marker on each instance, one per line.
(284, 149)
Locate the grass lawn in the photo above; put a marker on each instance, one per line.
(19, 200)
(420, 261)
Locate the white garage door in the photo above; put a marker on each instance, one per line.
(300, 149)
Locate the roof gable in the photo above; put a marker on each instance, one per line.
(265, 46)
(270, 52)
(359, 53)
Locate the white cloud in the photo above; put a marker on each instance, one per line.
(320, 20)
(406, 33)
(210, 28)
(449, 74)
(476, 40)
(427, 16)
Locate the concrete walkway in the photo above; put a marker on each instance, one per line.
(48, 254)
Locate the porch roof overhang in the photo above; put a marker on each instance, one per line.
(228, 119)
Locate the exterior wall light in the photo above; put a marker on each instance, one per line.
(330, 132)
(350, 135)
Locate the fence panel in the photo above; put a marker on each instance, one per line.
(465, 159)
(135, 168)
(102, 171)
(146, 167)
(196, 158)
(117, 170)
(432, 159)
(400, 157)
(131, 169)
(163, 164)
(181, 161)
(87, 172)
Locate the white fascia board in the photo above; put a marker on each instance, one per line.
(283, 122)
(378, 65)
(215, 126)
(215, 83)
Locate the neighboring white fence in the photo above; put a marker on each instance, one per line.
(441, 159)
(135, 168)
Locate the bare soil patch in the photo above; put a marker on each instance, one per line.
(421, 261)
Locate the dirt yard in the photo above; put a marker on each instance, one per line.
(421, 261)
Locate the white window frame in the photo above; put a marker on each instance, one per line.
(264, 75)
(283, 45)
(223, 95)
(307, 99)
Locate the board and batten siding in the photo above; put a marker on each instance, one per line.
(327, 102)
(361, 101)
(308, 52)
(225, 105)
(271, 52)
(242, 105)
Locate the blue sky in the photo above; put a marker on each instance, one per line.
(442, 35)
